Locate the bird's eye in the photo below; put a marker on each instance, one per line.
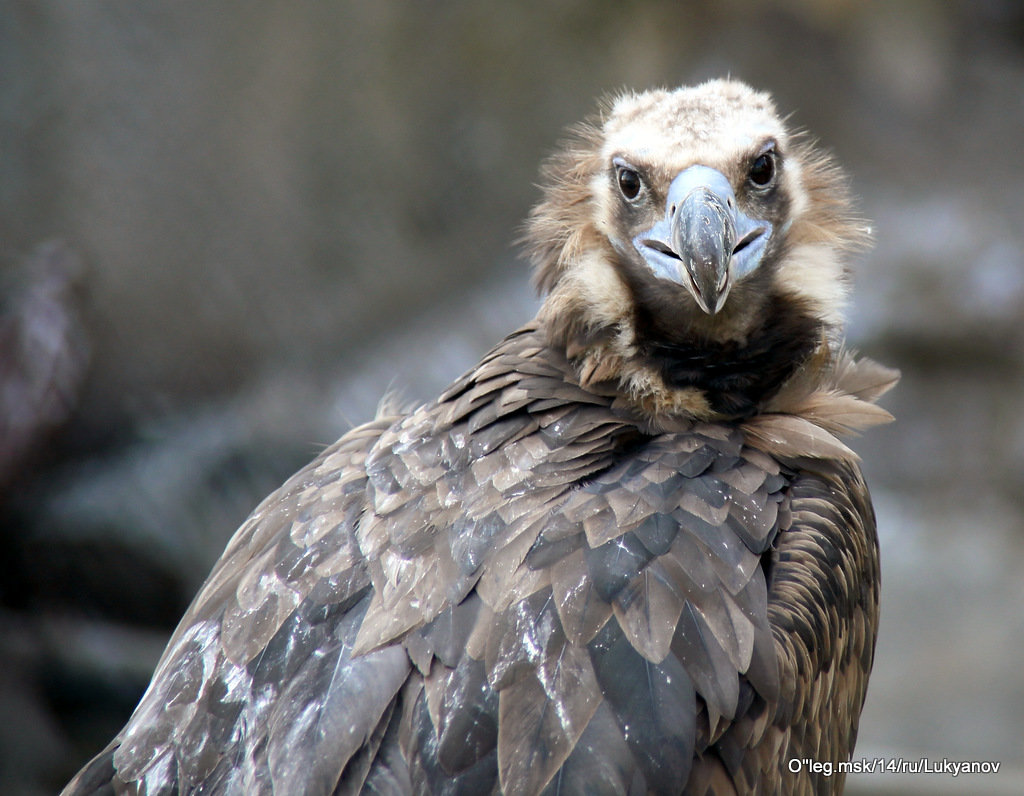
(762, 170)
(629, 182)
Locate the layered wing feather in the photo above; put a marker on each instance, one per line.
(519, 587)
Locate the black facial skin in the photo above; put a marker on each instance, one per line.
(737, 379)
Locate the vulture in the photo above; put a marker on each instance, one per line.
(625, 553)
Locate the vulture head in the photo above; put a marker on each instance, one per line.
(692, 249)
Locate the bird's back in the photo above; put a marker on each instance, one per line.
(522, 584)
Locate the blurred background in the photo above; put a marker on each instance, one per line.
(227, 229)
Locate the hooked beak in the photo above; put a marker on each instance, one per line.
(704, 242)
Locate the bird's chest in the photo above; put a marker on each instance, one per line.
(735, 375)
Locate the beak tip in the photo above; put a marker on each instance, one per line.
(709, 293)
(712, 308)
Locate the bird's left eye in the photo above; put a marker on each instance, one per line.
(629, 182)
(762, 170)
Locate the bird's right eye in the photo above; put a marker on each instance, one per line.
(629, 182)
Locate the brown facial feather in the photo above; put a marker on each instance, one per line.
(606, 309)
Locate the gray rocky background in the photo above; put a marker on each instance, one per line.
(227, 228)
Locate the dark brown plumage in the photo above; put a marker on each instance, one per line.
(626, 553)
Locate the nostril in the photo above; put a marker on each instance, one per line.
(747, 239)
(660, 247)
